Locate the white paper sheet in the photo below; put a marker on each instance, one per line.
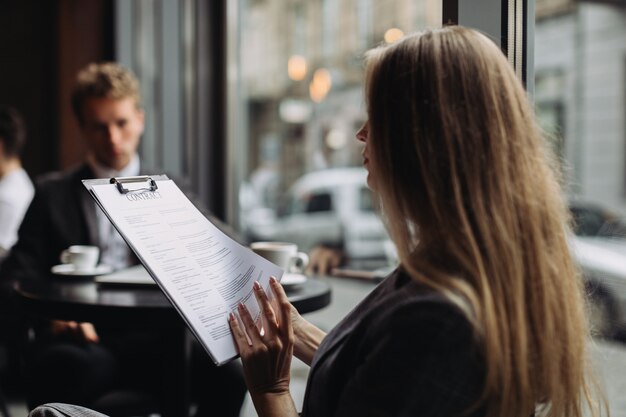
(202, 271)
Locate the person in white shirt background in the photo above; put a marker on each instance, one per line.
(16, 193)
(16, 188)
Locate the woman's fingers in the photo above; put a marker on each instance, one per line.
(266, 359)
(276, 324)
(284, 308)
(267, 312)
(241, 340)
(248, 323)
(245, 330)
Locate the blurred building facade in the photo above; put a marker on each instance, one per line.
(302, 69)
(301, 65)
(580, 93)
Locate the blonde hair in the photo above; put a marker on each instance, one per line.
(104, 80)
(476, 212)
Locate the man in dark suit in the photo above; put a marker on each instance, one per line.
(75, 362)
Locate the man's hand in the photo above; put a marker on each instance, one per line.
(322, 259)
(81, 332)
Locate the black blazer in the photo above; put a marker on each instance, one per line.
(404, 351)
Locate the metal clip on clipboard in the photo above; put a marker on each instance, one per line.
(120, 181)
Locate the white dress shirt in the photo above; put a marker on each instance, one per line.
(16, 193)
(113, 249)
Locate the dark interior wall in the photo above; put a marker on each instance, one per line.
(84, 35)
(27, 75)
(42, 45)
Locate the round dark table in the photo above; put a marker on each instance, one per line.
(82, 299)
(142, 307)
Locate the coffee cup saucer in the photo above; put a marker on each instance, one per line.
(292, 280)
(70, 270)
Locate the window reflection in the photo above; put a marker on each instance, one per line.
(302, 76)
(579, 95)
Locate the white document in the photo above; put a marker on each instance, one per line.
(203, 272)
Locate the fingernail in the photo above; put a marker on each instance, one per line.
(256, 285)
(231, 316)
(240, 306)
(273, 280)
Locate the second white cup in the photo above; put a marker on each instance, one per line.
(83, 257)
(283, 254)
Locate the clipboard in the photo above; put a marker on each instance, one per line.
(204, 273)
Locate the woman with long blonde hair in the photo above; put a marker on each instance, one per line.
(477, 215)
(484, 316)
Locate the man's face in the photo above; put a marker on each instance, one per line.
(112, 128)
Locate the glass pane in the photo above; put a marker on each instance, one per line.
(580, 99)
(302, 77)
(368, 201)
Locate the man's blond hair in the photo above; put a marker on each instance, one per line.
(104, 80)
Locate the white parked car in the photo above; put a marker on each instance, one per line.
(332, 206)
(599, 247)
(335, 206)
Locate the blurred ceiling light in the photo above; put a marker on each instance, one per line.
(315, 94)
(320, 85)
(336, 139)
(393, 35)
(296, 67)
(322, 76)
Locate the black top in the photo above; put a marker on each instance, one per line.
(403, 351)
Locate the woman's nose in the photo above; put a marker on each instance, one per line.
(361, 134)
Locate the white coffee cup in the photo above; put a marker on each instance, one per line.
(283, 254)
(83, 257)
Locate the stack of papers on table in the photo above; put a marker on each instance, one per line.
(365, 272)
(135, 275)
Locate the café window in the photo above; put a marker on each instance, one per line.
(300, 86)
(301, 102)
(579, 99)
(368, 201)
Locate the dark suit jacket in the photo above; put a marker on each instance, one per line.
(404, 351)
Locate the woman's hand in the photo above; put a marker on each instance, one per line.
(323, 259)
(81, 332)
(266, 358)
